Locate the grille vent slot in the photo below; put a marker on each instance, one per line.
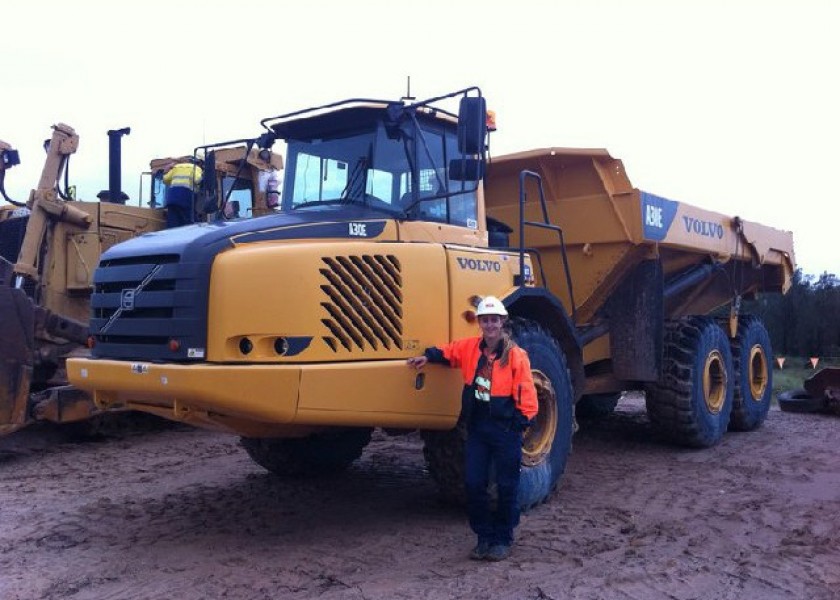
(363, 302)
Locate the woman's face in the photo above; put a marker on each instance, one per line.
(491, 327)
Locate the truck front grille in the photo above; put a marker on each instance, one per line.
(139, 304)
(363, 302)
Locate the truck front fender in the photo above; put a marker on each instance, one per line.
(541, 306)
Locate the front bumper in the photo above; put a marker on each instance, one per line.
(351, 394)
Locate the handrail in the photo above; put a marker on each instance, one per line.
(523, 175)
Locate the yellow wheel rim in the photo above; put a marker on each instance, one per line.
(758, 372)
(540, 435)
(714, 382)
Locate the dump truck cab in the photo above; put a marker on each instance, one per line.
(386, 161)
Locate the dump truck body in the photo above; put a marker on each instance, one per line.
(610, 227)
(292, 330)
(612, 233)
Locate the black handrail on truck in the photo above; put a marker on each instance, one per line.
(520, 280)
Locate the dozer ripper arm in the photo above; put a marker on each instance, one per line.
(8, 158)
(45, 204)
(22, 316)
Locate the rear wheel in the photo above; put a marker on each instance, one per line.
(546, 444)
(753, 374)
(692, 401)
(317, 454)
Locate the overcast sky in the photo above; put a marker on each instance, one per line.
(728, 105)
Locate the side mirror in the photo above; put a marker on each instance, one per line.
(472, 125)
(208, 184)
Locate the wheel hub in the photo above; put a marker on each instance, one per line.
(539, 436)
(714, 382)
(758, 373)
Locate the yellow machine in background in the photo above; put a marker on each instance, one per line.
(292, 329)
(49, 248)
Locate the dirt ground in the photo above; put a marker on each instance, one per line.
(185, 514)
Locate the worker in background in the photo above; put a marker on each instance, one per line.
(498, 403)
(232, 209)
(181, 181)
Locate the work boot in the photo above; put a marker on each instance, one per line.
(480, 551)
(497, 552)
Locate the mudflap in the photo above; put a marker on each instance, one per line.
(17, 352)
(637, 315)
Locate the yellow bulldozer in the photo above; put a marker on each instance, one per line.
(49, 248)
(292, 330)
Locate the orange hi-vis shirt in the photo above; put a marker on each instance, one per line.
(512, 381)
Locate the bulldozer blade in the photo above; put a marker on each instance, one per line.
(17, 348)
(825, 384)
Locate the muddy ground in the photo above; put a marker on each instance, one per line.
(184, 514)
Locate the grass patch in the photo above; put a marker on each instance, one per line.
(789, 379)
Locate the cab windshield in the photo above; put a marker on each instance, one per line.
(402, 173)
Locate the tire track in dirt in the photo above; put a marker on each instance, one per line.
(184, 513)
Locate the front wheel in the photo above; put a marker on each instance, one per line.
(691, 403)
(311, 456)
(546, 444)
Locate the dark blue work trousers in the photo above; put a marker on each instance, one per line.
(179, 206)
(492, 442)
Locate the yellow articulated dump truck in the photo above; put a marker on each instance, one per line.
(49, 248)
(292, 330)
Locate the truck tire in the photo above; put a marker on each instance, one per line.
(691, 403)
(753, 374)
(800, 401)
(311, 456)
(596, 406)
(546, 444)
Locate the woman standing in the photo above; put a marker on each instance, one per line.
(498, 403)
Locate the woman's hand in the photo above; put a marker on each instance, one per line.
(418, 362)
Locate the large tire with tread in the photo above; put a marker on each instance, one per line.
(753, 375)
(691, 403)
(546, 444)
(317, 454)
(800, 401)
(597, 406)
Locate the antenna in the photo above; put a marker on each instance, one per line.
(408, 95)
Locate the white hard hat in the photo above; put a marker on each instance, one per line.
(490, 305)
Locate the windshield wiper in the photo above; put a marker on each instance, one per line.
(394, 212)
(407, 210)
(315, 203)
(359, 169)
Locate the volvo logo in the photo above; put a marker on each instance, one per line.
(127, 299)
(127, 296)
(472, 264)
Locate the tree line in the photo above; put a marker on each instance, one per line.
(806, 320)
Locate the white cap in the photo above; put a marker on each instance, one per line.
(491, 305)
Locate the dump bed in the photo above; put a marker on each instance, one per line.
(610, 228)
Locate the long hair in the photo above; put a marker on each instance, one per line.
(506, 343)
